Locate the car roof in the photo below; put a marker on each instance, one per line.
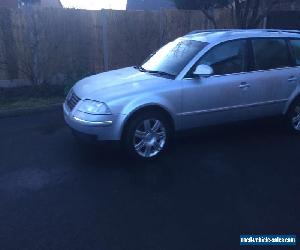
(219, 35)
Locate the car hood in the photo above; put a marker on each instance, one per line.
(118, 83)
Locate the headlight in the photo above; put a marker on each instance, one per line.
(93, 107)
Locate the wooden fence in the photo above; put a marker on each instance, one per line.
(62, 45)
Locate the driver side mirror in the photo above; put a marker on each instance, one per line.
(203, 70)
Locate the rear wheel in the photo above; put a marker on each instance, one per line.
(147, 135)
(294, 117)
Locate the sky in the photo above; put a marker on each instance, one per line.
(95, 4)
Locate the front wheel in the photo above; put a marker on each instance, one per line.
(147, 135)
(294, 117)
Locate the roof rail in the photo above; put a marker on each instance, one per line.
(262, 30)
(289, 31)
(275, 30)
(209, 30)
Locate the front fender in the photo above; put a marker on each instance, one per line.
(143, 102)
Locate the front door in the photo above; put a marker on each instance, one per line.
(218, 98)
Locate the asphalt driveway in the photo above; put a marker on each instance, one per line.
(210, 187)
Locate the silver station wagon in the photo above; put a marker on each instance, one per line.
(204, 78)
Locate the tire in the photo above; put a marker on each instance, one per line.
(293, 117)
(147, 135)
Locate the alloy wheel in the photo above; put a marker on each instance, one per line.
(149, 138)
(296, 118)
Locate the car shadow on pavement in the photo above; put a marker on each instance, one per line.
(184, 144)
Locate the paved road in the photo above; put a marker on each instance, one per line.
(211, 186)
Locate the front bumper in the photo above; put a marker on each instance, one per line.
(101, 127)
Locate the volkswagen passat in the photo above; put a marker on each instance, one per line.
(204, 78)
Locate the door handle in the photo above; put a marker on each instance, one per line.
(244, 85)
(292, 79)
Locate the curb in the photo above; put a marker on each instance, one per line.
(30, 111)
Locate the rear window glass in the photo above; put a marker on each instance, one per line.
(270, 53)
(295, 45)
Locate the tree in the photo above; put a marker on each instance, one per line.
(245, 13)
(206, 6)
(250, 13)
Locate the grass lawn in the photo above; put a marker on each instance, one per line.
(31, 97)
(31, 103)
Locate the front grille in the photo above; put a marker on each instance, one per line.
(72, 100)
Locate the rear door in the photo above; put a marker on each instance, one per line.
(273, 77)
(295, 50)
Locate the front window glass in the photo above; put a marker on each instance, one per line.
(227, 58)
(173, 57)
(270, 53)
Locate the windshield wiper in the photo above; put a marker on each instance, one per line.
(155, 72)
(140, 68)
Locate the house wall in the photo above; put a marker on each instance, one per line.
(150, 4)
(284, 20)
(9, 3)
(51, 3)
(42, 3)
(286, 15)
(157, 4)
(288, 5)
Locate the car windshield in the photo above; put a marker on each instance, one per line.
(173, 57)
